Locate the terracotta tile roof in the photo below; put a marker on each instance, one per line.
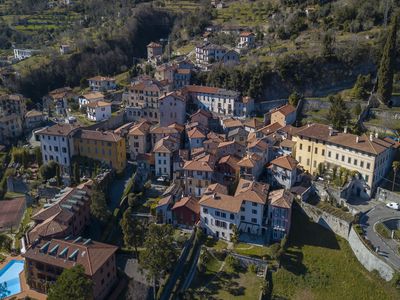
(286, 162)
(291, 130)
(97, 135)
(246, 34)
(148, 84)
(102, 78)
(33, 113)
(188, 202)
(216, 188)
(288, 143)
(91, 255)
(195, 133)
(202, 112)
(270, 129)
(280, 198)
(163, 130)
(249, 161)
(174, 95)
(226, 144)
(165, 201)
(315, 131)
(258, 143)
(196, 165)
(59, 129)
(209, 90)
(221, 201)
(140, 129)
(167, 144)
(93, 96)
(230, 123)
(230, 160)
(98, 103)
(154, 45)
(183, 71)
(285, 110)
(361, 143)
(237, 131)
(11, 210)
(253, 123)
(252, 191)
(177, 126)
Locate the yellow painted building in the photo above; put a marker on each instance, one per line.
(104, 146)
(311, 146)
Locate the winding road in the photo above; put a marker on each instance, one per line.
(388, 249)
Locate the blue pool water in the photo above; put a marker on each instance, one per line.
(9, 278)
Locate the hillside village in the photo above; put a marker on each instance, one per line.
(201, 165)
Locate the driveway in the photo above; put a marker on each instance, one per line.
(387, 248)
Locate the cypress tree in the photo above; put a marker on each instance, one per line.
(385, 73)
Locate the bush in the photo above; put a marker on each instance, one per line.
(232, 263)
(220, 255)
(253, 268)
(5, 243)
(49, 170)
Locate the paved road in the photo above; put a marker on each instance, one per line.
(387, 248)
(118, 186)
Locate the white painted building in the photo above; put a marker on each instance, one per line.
(98, 111)
(56, 144)
(163, 154)
(100, 83)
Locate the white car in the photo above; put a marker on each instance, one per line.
(393, 205)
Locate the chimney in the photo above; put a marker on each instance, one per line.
(357, 139)
(330, 131)
(376, 135)
(371, 136)
(345, 129)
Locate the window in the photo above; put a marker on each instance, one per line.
(242, 209)
(349, 160)
(299, 159)
(232, 216)
(223, 215)
(342, 157)
(316, 150)
(301, 146)
(308, 161)
(366, 178)
(253, 220)
(323, 152)
(355, 162)
(337, 156)
(329, 153)
(254, 211)
(254, 204)
(242, 218)
(309, 148)
(205, 210)
(368, 166)
(361, 164)
(217, 213)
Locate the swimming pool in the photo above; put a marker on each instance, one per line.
(9, 278)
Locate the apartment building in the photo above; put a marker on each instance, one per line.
(87, 98)
(104, 146)
(68, 213)
(102, 84)
(172, 109)
(198, 175)
(56, 143)
(58, 100)
(173, 130)
(143, 101)
(12, 104)
(34, 119)
(178, 77)
(220, 101)
(154, 50)
(164, 151)
(284, 115)
(369, 155)
(246, 40)
(207, 54)
(98, 111)
(196, 137)
(280, 213)
(46, 260)
(10, 128)
(139, 139)
(282, 171)
(246, 210)
(311, 146)
(251, 166)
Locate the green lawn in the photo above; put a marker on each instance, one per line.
(223, 283)
(216, 244)
(252, 250)
(320, 265)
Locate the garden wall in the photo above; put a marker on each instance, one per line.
(368, 259)
(335, 224)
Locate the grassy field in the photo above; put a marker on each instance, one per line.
(218, 281)
(320, 265)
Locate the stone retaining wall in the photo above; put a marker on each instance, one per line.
(368, 259)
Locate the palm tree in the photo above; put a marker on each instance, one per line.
(396, 167)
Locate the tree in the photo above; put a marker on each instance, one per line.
(396, 167)
(235, 235)
(38, 156)
(357, 110)
(338, 113)
(362, 87)
(48, 170)
(132, 231)
(58, 175)
(72, 284)
(328, 44)
(159, 255)
(132, 200)
(98, 207)
(77, 176)
(294, 98)
(388, 60)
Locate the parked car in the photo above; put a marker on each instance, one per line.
(393, 205)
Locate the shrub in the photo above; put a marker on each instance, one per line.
(49, 170)
(253, 268)
(232, 263)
